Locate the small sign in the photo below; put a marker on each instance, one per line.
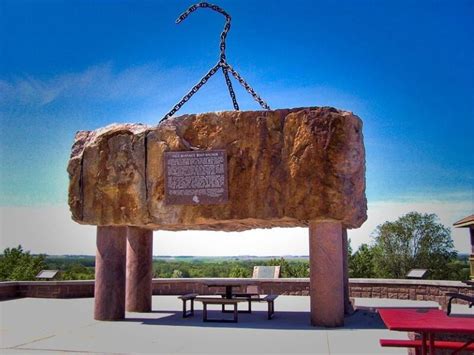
(47, 274)
(417, 274)
(196, 177)
(266, 272)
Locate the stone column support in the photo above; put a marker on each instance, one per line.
(326, 273)
(139, 269)
(348, 307)
(109, 290)
(471, 257)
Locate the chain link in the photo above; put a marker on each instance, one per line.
(247, 87)
(222, 64)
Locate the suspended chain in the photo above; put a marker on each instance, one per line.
(247, 87)
(231, 89)
(221, 64)
(192, 92)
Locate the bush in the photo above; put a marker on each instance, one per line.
(18, 265)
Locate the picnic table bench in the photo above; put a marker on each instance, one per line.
(220, 301)
(188, 297)
(191, 297)
(270, 299)
(255, 297)
(457, 346)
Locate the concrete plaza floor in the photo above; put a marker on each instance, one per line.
(52, 326)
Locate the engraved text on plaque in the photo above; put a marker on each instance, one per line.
(196, 177)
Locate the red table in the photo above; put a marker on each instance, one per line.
(428, 322)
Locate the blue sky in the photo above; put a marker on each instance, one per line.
(405, 67)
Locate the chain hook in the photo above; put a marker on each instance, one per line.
(222, 64)
(216, 8)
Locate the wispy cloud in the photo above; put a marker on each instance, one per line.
(463, 197)
(96, 82)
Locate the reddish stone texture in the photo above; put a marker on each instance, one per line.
(326, 273)
(8, 290)
(348, 308)
(139, 269)
(110, 273)
(374, 289)
(53, 289)
(285, 167)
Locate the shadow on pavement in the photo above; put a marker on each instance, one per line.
(258, 320)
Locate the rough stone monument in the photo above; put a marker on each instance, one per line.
(226, 171)
(285, 168)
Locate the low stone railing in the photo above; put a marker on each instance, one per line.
(46, 289)
(426, 290)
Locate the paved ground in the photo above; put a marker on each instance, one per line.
(52, 326)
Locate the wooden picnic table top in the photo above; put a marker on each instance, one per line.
(219, 300)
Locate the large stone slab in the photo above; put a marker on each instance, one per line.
(285, 167)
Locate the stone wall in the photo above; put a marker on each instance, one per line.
(46, 289)
(8, 290)
(420, 290)
(426, 290)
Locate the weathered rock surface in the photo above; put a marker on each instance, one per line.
(285, 167)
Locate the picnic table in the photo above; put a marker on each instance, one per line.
(248, 296)
(229, 294)
(428, 322)
(233, 298)
(229, 285)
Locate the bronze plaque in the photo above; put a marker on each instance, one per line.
(196, 177)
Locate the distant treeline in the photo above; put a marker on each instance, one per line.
(361, 264)
(82, 267)
(415, 240)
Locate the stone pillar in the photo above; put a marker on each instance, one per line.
(348, 308)
(109, 290)
(326, 273)
(471, 257)
(139, 269)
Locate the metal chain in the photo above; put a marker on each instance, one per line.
(221, 64)
(191, 92)
(247, 87)
(231, 89)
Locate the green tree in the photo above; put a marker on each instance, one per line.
(415, 240)
(78, 271)
(177, 274)
(291, 269)
(299, 269)
(361, 264)
(239, 271)
(17, 264)
(285, 269)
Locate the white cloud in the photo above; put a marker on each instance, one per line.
(99, 82)
(50, 230)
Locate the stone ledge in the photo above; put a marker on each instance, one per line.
(227, 279)
(423, 290)
(354, 281)
(54, 283)
(447, 283)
